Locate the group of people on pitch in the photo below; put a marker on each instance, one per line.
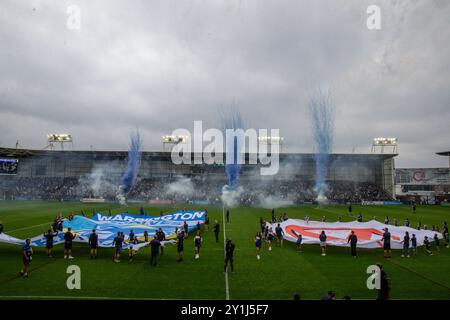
(409, 243)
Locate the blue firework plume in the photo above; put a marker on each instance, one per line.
(322, 116)
(232, 168)
(134, 157)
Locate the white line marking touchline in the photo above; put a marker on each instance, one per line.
(29, 227)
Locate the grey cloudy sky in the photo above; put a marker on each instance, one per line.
(160, 65)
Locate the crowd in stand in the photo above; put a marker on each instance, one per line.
(202, 190)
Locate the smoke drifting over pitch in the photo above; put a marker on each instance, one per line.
(322, 118)
(102, 180)
(183, 186)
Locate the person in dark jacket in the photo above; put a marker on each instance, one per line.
(216, 230)
(180, 245)
(154, 244)
(386, 243)
(323, 243)
(331, 295)
(229, 255)
(383, 293)
(27, 256)
(161, 236)
(68, 239)
(93, 244)
(49, 235)
(405, 252)
(353, 240)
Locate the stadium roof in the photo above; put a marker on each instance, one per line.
(19, 153)
(444, 153)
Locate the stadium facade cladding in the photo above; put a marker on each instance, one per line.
(374, 168)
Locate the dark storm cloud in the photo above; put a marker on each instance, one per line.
(160, 65)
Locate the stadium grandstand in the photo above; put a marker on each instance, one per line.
(68, 175)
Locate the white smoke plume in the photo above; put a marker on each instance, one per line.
(230, 198)
(272, 202)
(101, 182)
(181, 187)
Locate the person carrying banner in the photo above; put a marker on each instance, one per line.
(299, 242)
(405, 241)
(154, 244)
(131, 236)
(27, 256)
(386, 243)
(161, 236)
(323, 243)
(353, 240)
(229, 255)
(270, 237)
(93, 244)
(436, 243)
(279, 232)
(197, 244)
(49, 235)
(68, 239)
(117, 243)
(180, 242)
(426, 243)
(258, 244)
(414, 245)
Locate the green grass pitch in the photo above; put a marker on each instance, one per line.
(277, 275)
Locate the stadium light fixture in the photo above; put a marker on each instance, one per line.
(59, 137)
(382, 142)
(172, 140)
(385, 141)
(271, 140)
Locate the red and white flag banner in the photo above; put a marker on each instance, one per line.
(369, 233)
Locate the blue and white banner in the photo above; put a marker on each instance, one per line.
(107, 228)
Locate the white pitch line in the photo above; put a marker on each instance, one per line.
(227, 289)
(29, 227)
(83, 298)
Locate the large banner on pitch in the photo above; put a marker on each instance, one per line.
(107, 228)
(369, 233)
